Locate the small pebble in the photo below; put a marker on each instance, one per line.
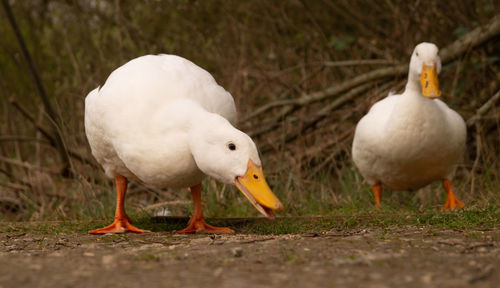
(36, 266)
(108, 259)
(427, 278)
(482, 249)
(237, 252)
(218, 272)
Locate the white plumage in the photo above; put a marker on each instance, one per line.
(407, 141)
(164, 121)
(138, 123)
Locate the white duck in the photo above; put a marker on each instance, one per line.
(164, 121)
(407, 141)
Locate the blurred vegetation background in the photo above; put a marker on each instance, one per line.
(290, 65)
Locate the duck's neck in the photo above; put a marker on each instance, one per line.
(204, 134)
(411, 101)
(203, 122)
(411, 107)
(413, 84)
(208, 137)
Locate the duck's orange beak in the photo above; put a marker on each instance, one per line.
(429, 81)
(254, 186)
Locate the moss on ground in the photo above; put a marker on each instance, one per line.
(461, 219)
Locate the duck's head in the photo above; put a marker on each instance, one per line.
(426, 64)
(229, 155)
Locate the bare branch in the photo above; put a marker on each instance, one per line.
(13, 180)
(28, 116)
(474, 38)
(26, 165)
(322, 113)
(27, 56)
(17, 138)
(483, 109)
(41, 90)
(46, 133)
(358, 62)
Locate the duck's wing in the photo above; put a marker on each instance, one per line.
(370, 127)
(100, 140)
(195, 83)
(150, 82)
(368, 137)
(456, 128)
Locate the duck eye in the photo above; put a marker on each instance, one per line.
(255, 176)
(231, 146)
(416, 53)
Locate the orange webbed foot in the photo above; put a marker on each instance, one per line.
(199, 226)
(117, 227)
(452, 201)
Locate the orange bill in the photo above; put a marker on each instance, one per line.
(254, 186)
(429, 81)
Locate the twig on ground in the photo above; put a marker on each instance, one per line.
(484, 274)
(478, 245)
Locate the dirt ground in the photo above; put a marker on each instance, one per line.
(389, 257)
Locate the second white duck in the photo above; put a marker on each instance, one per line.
(407, 141)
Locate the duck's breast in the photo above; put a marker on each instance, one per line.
(421, 141)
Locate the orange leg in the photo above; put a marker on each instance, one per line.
(451, 199)
(122, 221)
(197, 223)
(377, 193)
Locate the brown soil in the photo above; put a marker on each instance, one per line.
(396, 257)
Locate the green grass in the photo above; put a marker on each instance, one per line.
(332, 203)
(461, 219)
(348, 195)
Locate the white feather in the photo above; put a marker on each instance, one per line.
(164, 121)
(407, 141)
